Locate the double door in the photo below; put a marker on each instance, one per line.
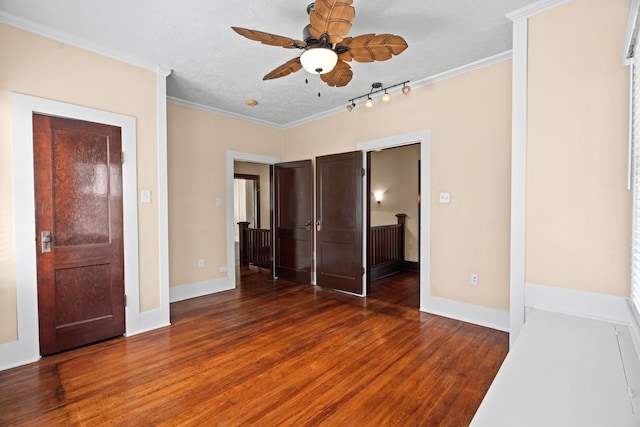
(336, 225)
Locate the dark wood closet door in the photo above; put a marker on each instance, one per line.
(293, 190)
(339, 221)
(79, 241)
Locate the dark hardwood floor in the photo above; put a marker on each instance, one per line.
(269, 353)
(402, 288)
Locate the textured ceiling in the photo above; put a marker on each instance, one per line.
(216, 68)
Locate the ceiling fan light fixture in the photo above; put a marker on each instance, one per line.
(319, 60)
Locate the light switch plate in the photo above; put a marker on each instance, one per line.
(146, 196)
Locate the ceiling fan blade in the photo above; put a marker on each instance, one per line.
(285, 69)
(332, 17)
(269, 39)
(372, 47)
(340, 75)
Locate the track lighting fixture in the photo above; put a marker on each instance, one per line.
(377, 88)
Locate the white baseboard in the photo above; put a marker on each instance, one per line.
(478, 315)
(150, 320)
(198, 289)
(15, 353)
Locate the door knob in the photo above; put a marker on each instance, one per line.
(318, 226)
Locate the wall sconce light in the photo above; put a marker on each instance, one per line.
(378, 196)
(377, 88)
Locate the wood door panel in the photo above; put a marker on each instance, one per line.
(80, 162)
(339, 217)
(293, 189)
(82, 293)
(78, 179)
(338, 259)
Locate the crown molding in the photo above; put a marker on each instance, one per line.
(534, 9)
(68, 39)
(206, 108)
(476, 65)
(473, 66)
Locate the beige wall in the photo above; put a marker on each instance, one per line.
(395, 172)
(578, 206)
(41, 67)
(470, 121)
(261, 170)
(197, 145)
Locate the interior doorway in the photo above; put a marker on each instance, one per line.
(252, 219)
(393, 225)
(246, 196)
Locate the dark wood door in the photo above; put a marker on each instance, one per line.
(339, 221)
(79, 241)
(293, 196)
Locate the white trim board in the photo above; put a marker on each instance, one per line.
(478, 315)
(162, 198)
(70, 40)
(630, 33)
(519, 104)
(194, 290)
(26, 348)
(419, 83)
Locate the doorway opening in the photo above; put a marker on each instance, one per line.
(252, 221)
(393, 225)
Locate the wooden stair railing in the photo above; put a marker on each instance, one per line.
(255, 246)
(386, 248)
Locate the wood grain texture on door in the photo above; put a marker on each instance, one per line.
(339, 221)
(78, 191)
(293, 196)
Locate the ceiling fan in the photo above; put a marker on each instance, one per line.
(326, 50)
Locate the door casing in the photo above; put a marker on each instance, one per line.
(423, 137)
(26, 348)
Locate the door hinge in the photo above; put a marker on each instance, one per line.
(364, 172)
(122, 157)
(363, 271)
(125, 300)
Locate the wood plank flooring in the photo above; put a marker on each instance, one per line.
(269, 353)
(402, 288)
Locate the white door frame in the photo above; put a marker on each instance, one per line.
(27, 348)
(422, 137)
(233, 156)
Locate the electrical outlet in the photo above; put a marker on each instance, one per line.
(475, 279)
(200, 263)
